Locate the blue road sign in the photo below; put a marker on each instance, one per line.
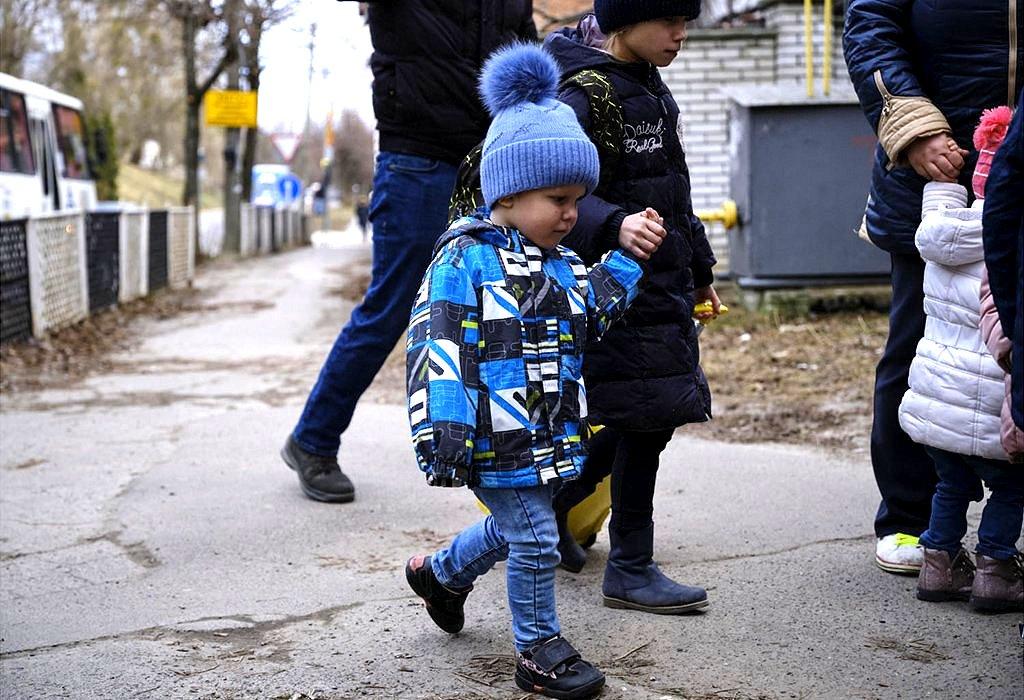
(289, 186)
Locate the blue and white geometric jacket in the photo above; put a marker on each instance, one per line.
(495, 353)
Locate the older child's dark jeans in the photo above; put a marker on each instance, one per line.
(632, 459)
(409, 211)
(960, 479)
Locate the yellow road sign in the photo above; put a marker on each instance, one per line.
(230, 108)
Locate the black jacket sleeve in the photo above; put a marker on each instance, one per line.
(1003, 221)
(597, 228)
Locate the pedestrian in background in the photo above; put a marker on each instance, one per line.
(496, 339)
(425, 63)
(923, 74)
(644, 377)
(363, 215)
(954, 403)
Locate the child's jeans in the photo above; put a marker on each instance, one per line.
(522, 529)
(960, 478)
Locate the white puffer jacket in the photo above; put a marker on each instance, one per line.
(956, 387)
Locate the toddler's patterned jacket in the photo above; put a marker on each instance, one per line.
(495, 355)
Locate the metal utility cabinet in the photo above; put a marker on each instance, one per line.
(800, 169)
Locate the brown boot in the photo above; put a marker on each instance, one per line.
(945, 576)
(999, 585)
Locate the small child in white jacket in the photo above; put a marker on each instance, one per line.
(953, 408)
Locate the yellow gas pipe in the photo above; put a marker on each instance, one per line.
(728, 214)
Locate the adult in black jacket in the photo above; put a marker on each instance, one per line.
(923, 70)
(427, 55)
(1003, 231)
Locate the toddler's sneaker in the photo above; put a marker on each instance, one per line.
(899, 554)
(999, 585)
(945, 576)
(554, 668)
(443, 605)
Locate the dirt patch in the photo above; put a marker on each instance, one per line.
(802, 379)
(85, 347)
(805, 380)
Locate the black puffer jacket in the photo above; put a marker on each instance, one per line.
(645, 373)
(427, 55)
(921, 67)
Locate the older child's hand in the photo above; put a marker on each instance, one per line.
(642, 233)
(708, 293)
(937, 157)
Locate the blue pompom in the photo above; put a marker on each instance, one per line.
(518, 73)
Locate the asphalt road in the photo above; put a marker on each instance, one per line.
(153, 545)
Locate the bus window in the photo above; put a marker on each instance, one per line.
(71, 142)
(15, 146)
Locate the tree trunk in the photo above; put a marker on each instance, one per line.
(252, 134)
(232, 191)
(190, 196)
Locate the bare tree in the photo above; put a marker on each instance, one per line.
(353, 154)
(196, 15)
(260, 15)
(19, 20)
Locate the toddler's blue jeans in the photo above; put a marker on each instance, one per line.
(522, 529)
(960, 479)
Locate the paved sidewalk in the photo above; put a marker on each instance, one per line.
(153, 545)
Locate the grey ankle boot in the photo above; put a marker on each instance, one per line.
(945, 576)
(998, 585)
(633, 581)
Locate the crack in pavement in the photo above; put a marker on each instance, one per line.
(784, 550)
(258, 629)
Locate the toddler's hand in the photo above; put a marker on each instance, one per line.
(936, 157)
(642, 233)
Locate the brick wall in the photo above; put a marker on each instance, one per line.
(714, 58)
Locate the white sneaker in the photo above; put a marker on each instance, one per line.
(899, 554)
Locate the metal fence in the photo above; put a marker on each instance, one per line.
(134, 248)
(15, 307)
(180, 251)
(102, 246)
(57, 268)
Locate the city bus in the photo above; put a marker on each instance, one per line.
(43, 161)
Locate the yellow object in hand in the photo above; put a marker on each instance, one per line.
(706, 307)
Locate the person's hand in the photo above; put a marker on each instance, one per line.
(642, 233)
(708, 293)
(936, 157)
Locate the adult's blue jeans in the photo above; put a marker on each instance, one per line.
(903, 470)
(521, 528)
(409, 211)
(960, 478)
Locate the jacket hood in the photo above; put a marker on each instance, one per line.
(477, 226)
(580, 48)
(951, 237)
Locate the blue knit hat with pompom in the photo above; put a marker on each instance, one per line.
(534, 140)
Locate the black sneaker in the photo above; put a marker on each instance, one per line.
(320, 477)
(443, 605)
(555, 669)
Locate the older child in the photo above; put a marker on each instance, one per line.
(496, 397)
(644, 376)
(953, 409)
